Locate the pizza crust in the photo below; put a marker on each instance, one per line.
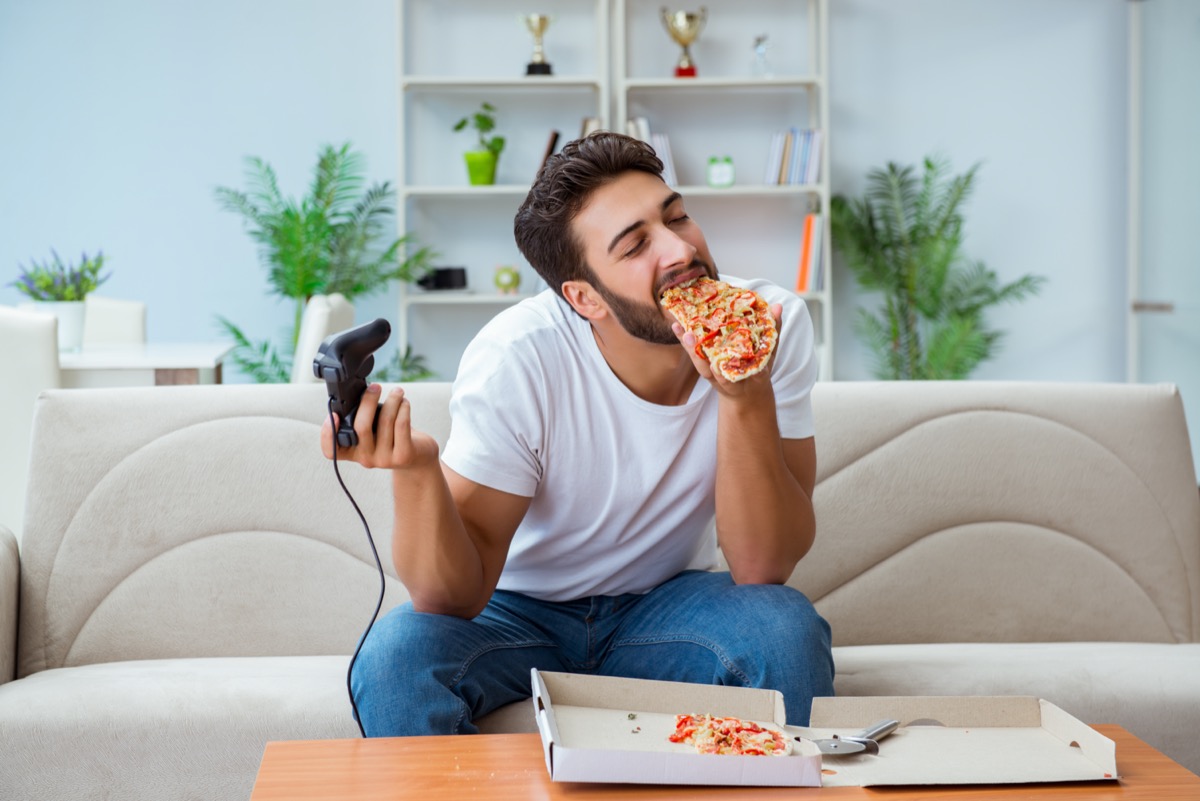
(734, 329)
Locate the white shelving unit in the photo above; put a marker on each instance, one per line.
(612, 59)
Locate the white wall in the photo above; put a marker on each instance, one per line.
(120, 119)
(1034, 90)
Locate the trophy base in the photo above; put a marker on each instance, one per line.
(534, 68)
(685, 72)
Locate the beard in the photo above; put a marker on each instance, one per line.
(647, 321)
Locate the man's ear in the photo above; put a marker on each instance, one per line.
(584, 299)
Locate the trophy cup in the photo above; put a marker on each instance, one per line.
(537, 24)
(684, 27)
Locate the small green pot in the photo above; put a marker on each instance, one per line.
(481, 167)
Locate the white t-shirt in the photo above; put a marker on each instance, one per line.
(622, 490)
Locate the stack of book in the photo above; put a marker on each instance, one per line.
(794, 157)
(810, 276)
(639, 128)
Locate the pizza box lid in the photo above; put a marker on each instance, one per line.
(605, 729)
(962, 740)
(588, 735)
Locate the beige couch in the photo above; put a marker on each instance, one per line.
(192, 579)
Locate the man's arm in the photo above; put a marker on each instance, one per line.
(764, 487)
(450, 535)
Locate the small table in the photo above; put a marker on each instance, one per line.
(151, 364)
(510, 767)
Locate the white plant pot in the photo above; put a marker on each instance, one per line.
(70, 321)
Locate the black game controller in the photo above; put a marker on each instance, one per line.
(344, 361)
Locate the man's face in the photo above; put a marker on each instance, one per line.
(639, 241)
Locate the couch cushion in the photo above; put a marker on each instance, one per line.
(994, 512)
(1149, 688)
(163, 729)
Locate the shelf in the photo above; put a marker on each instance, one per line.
(693, 190)
(781, 82)
(533, 83)
(466, 192)
(451, 297)
(750, 190)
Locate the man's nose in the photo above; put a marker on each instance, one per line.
(676, 249)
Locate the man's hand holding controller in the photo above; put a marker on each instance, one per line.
(369, 432)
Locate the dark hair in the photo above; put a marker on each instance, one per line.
(562, 187)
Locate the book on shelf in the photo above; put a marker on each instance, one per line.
(812, 172)
(789, 145)
(551, 144)
(816, 258)
(638, 128)
(793, 169)
(802, 157)
(589, 125)
(774, 158)
(662, 148)
(808, 276)
(794, 157)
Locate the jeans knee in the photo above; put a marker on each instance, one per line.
(403, 646)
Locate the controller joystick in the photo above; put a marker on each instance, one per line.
(343, 361)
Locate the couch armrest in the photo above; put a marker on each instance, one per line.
(10, 592)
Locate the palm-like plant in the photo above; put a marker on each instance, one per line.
(330, 240)
(903, 239)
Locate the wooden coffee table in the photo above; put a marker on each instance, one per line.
(510, 767)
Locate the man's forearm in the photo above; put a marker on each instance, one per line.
(434, 556)
(764, 514)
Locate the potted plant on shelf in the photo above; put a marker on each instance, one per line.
(60, 289)
(903, 239)
(334, 239)
(481, 162)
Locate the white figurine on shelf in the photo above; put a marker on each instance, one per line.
(762, 67)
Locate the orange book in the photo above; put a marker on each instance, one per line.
(802, 277)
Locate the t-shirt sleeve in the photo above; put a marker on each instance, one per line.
(795, 367)
(796, 372)
(496, 406)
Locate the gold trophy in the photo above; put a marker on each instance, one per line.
(684, 27)
(537, 24)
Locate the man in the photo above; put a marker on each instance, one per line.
(563, 526)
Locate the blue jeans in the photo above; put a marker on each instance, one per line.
(420, 673)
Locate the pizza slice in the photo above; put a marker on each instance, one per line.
(734, 329)
(710, 734)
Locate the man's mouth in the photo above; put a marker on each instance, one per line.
(682, 278)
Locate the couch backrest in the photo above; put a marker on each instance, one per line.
(203, 521)
(198, 521)
(1004, 512)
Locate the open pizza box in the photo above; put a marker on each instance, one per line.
(604, 729)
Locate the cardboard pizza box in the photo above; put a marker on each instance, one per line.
(962, 740)
(604, 729)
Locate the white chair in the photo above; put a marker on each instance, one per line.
(111, 321)
(29, 341)
(323, 315)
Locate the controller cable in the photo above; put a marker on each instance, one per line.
(378, 566)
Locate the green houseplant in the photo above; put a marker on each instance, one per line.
(481, 162)
(60, 288)
(56, 280)
(335, 238)
(903, 240)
